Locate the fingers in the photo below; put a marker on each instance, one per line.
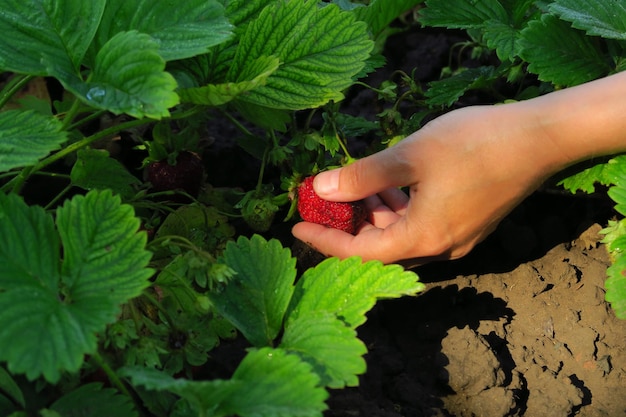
(386, 207)
(365, 177)
(332, 242)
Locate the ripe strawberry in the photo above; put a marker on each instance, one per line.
(187, 174)
(343, 216)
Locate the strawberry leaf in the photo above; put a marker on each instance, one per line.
(559, 54)
(267, 383)
(218, 94)
(447, 91)
(95, 169)
(501, 24)
(94, 401)
(320, 50)
(349, 288)
(65, 303)
(606, 173)
(128, 77)
(256, 298)
(331, 347)
(598, 18)
(181, 29)
(60, 30)
(380, 13)
(462, 14)
(27, 136)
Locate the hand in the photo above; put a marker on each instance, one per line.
(465, 171)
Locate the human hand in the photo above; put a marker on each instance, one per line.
(465, 171)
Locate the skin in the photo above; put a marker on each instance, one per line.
(465, 171)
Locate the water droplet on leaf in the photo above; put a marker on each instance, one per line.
(96, 94)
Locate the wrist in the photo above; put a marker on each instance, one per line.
(581, 122)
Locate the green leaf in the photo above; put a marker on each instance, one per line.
(181, 29)
(94, 401)
(267, 383)
(380, 13)
(502, 37)
(128, 77)
(561, 55)
(462, 14)
(320, 50)
(26, 137)
(606, 18)
(277, 384)
(447, 91)
(256, 299)
(616, 287)
(605, 173)
(204, 226)
(331, 347)
(95, 169)
(350, 288)
(500, 23)
(218, 94)
(60, 30)
(10, 387)
(63, 305)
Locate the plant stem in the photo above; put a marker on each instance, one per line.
(259, 183)
(117, 382)
(12, 87)
(113, 378)
(58, 196)
(237, 124)
(71, 114)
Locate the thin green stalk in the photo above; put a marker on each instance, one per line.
(110, 373)
(18, 182)
(71, 114)
(86, 119)
(259, 183)
(58, 196)
(13, 87)
(237, 124)
(27, 172)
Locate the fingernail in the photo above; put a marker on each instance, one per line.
(326, 183)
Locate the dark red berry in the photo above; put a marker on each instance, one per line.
(343, 216)
(187, 174)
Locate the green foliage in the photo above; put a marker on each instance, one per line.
(268, 382)
(66, 302)
(26, 136)
(92, 400)
(256, 300)
(95, 169)
(315, 318)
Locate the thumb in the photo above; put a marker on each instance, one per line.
(365, 177)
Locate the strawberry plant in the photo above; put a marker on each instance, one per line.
(554, 44)
(121, 267)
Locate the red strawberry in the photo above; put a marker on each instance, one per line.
(187, 174)
(343, 216)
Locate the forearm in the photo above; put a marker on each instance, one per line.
(582, 122)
